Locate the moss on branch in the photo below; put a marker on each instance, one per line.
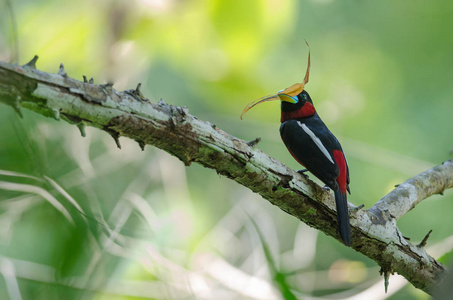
(173, 129)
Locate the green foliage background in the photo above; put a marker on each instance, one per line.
(81, 219)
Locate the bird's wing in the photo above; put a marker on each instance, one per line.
(312, 146)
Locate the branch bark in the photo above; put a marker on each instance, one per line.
(171, 128)
(414, 190)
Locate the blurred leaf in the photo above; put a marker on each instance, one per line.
(379, 79)
(279, 277)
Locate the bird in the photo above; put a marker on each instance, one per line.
(313, 145)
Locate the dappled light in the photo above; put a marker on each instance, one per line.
(82, 219)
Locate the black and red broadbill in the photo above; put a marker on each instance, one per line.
(312, 144)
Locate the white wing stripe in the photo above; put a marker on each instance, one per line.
(316, 140)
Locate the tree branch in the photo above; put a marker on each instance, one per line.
(173, 129)
(414, 190)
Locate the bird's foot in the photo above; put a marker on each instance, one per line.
(326, 188)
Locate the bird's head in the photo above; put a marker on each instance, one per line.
(295, 101)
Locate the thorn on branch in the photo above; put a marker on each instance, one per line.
(386, 273)
(91, 81)
(302, 172)
(81, 127)
(117, 140)
(137, 94)
(357, 208)
(16, 107)
(137, 89)
(32, 63)
(62, 71)
(85, 79)
(425, 239)
(386, 281)
(108, 85)
(115, 135)
(185, 110)
(142, 145)
(56, 114)
(254, 142)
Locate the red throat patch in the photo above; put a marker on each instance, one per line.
(341, 162)
(307, 110)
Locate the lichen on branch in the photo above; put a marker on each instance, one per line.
(173, 129)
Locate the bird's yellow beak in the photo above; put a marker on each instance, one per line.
(256, 102)
(286, 94)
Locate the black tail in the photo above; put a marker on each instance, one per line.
(343, 217)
